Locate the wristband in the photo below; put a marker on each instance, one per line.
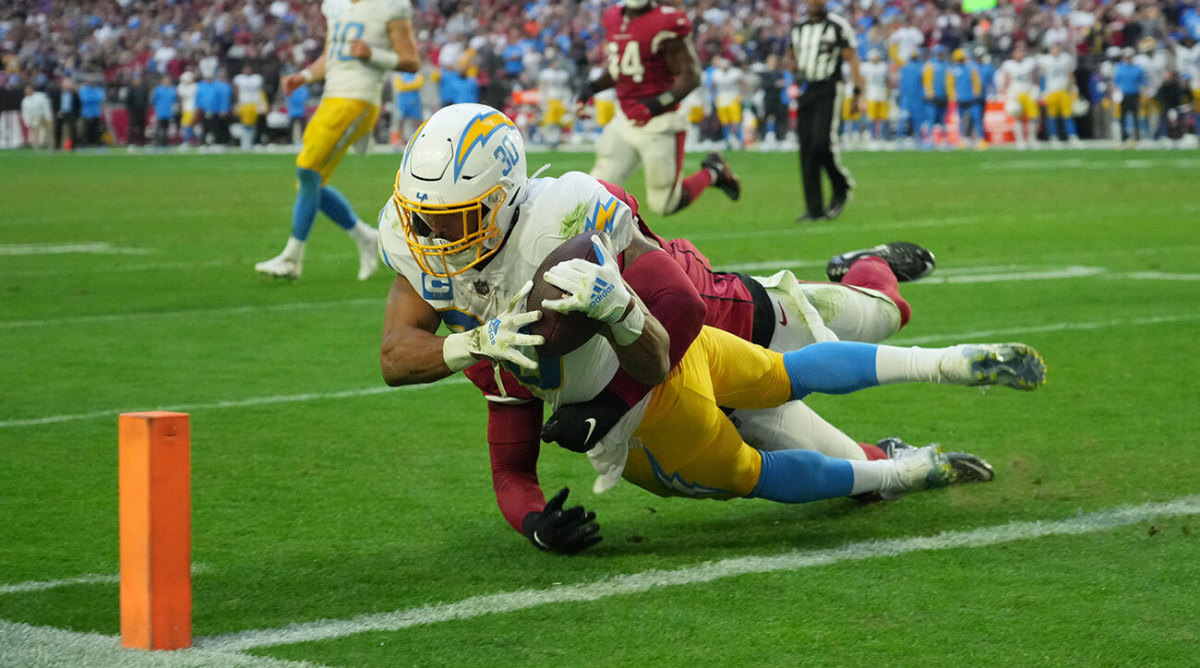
(627, 330)
(456, 352)
(666, 99)
(384, 60)
(307, 75)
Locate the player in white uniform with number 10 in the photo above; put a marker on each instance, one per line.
(365, 40)
(1019, 76)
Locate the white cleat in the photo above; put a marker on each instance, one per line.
(368, 253)
(929, 468)
(280, 266)
(1014, 365)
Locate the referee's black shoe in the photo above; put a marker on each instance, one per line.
(725, 179)
(810, 217)
(838, 205)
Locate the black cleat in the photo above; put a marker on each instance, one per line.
(907, 261)
(726, 180)
(894, 447)
(838, 205)
(811, 218)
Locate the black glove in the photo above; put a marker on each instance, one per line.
(553, 529)
(585, 93)
(654, 104)
(579, 427)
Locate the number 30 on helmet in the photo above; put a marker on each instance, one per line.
(466, 158)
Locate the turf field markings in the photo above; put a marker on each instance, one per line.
(991, 334)
(234, 403)
(459, 380)
(152, 315)
(635, 583)
(876, 227)
(94, 248)
(27, 645)
(154, 266)
(1158, 275)
(90, 579)
(1005, 277)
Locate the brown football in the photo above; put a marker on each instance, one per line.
(563, 332)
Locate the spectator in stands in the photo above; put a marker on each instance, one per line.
(66, 114)
(297, 111)
(1129, 79)
(137, 102)
(206, 108)
(38, 118)
(164, 99)
(91, 110)
(223, 106)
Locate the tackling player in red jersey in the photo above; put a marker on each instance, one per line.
(653, 65)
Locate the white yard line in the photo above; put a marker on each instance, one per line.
(980, 335)
(91, 247)
(90, 579)
(151, 315)
(237, 403)
(37, 646)
(635, 583)
(993, 334)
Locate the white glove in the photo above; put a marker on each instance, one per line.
(499, 339)
(598, 291)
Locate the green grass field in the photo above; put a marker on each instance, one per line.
(126, 283)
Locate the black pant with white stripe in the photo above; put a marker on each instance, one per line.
(817, 115)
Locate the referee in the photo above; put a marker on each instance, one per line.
(819, 46)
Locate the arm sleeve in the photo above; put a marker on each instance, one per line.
(672, 299)
(513, 434)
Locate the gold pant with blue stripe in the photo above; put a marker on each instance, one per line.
(1058, 104)
(690, 448)
(336, 125)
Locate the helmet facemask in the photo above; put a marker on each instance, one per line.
(442, 258)
(465, 164)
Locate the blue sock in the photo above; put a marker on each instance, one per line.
(304, 211)
(799, 476)
(335, 205)
(831, 367)
(1051, 128)
(1069, 123)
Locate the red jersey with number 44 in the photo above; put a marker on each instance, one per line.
(634, 49)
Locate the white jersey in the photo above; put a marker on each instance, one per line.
(1187, 61)
(727, 86)
(554, 84)
(249, 88)
(1018, 76)
(36, 108)
(187, 96)
(551, 211)
(346, 21)
(1057, 71)
(876, 77)
(1155, 65)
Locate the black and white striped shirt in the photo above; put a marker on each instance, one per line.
(818, 44)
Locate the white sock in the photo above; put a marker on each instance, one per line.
(363, 232)
(909, 365)
(873, 476)
(294, 249)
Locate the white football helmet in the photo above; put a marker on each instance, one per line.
(466, 158)
(637, 4)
